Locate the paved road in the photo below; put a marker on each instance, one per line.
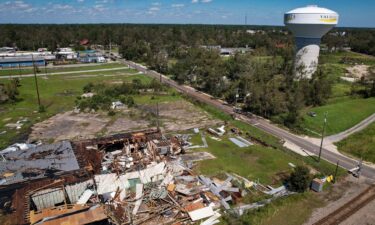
(63, 73)
(261, 123)
(363, 124)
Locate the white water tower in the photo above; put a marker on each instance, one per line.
(308, 25)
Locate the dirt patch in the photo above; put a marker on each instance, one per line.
(174, 116)
(68, 125)
(357, 71)
(341, 193)
(127, 124)
(182, 115)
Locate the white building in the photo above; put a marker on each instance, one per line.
(66, 53)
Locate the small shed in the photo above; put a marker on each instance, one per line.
(317, 185)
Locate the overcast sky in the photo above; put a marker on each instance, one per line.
(360, 13)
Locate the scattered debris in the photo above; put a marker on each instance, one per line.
(204, 141)
(88, 95)
(118, 105)
(240, 142)
(215, 138)
(220, 131)
(142, 177)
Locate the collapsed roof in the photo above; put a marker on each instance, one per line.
(37, 162)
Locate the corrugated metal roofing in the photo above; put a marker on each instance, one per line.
(19, 59)
(37, 162)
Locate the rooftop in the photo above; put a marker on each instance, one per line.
(36, 162)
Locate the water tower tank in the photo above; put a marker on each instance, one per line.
(308, 25)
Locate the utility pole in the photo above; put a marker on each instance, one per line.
(337, 167)
(321, 142)
(36, 81)
(157, 116)
(19, 69)
(235, 102)
(110, 46)
(246, 19)
(45, 68)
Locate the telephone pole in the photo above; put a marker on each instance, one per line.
(36, 81)
(157, 116)
(237, 95)
(45, 68)
(321, 142)
(337, 167)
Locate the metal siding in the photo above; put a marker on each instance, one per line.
(22, 64)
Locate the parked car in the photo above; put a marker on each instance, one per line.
(312, 114)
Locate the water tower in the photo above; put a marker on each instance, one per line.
(309, 24)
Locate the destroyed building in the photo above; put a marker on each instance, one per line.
(37, 162)
(130, 178)
(36, 180)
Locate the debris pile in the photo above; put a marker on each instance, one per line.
(164, 193)
(132, 178)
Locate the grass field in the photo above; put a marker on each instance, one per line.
(360, 144)
(275, 144)
(251, 130)
(293, 210)
(336, 57)
(341, 116)
(57, 94)
(16, 72)
(254, 162)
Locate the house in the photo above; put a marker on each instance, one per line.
(92, 58)
(66, 53)
(84, 42)
(7, 49)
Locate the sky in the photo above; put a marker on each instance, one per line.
(352, 13)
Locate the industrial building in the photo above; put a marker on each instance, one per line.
(91, 56)
(26, 61)
(227, 51)
(308, 25)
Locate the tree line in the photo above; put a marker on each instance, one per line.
(263, 80)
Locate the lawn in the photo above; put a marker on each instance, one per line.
(57, 94)
(16, 72)
(171, 96)
(336, 57)
(293, 210)
(254, 162)
(251, 130)
(341, 115)
(360, 144)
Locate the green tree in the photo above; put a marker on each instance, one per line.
(11, 89)
(300, 179)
